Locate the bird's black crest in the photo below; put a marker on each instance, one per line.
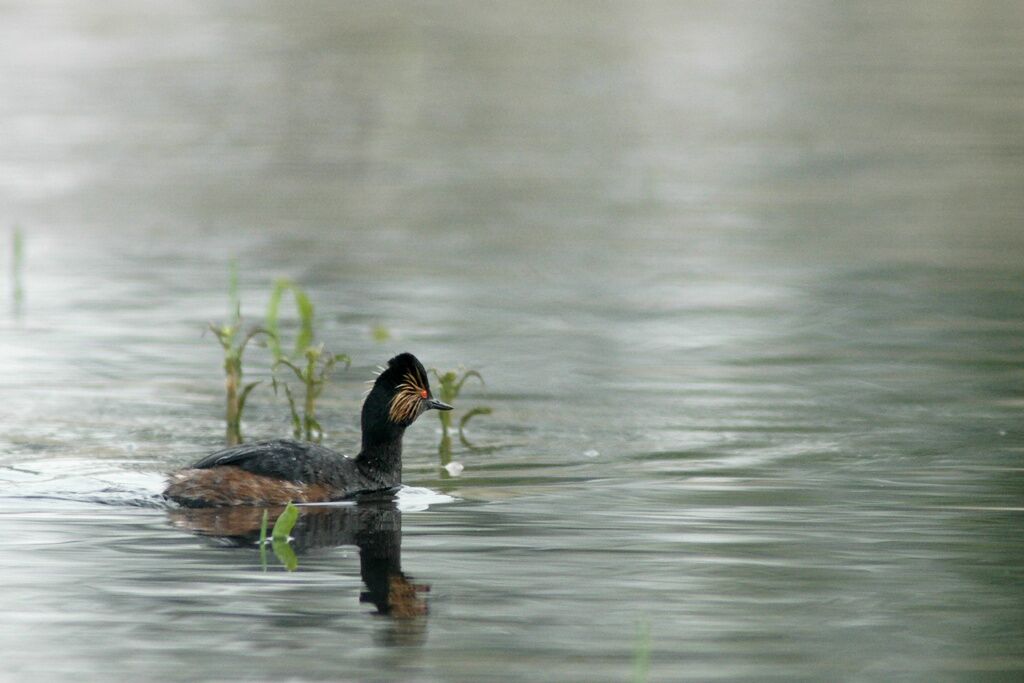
(404, 361)
(406, 379)
(407, 365)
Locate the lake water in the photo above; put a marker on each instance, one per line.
(745, 282)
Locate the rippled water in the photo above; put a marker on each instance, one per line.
(745, 282)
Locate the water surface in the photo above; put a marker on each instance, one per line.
(745, 282)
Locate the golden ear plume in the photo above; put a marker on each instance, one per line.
(407, 402)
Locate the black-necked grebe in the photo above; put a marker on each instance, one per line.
(276, 472)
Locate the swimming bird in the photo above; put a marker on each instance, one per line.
(282, 471)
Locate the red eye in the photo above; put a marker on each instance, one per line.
(423, 393)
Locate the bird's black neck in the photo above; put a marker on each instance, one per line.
(381, 457)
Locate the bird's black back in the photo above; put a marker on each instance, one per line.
(298, 461)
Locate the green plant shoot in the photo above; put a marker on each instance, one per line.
(311, 365)
(450, 385)
(263, 540)
(284, 553)
(279, 537)
(642, 653)
(234, 343)
(479, 410)
(313, 375)
(305, 309)
(285, 523)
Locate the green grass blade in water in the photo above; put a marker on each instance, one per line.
(303, 306)
(479, 410)
(263, 540)
(285, 523)
(642, 653)
(285, 554)
(279, 537)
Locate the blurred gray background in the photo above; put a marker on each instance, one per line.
(745, 281)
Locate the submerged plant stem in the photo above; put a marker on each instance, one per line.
(642, 653)
(318, 366)
(450, 385)
(263, 540)
(17, 267)
(236, 393)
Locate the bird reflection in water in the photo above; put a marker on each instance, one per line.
(375, 527)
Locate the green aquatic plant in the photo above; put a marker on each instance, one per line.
(303, 306)
(642, 653)
(234, 342)
(284, 553)
(279, 538)
(263, 539)
(285, 523)
(444, 449)
(470, 414)
(313, 375)
(450, 384)
(311, 364)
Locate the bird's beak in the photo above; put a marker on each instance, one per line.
(437, 405)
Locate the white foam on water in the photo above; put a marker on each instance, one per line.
(454, 468)
(112, 483)
(90, 481)
(418, 498)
